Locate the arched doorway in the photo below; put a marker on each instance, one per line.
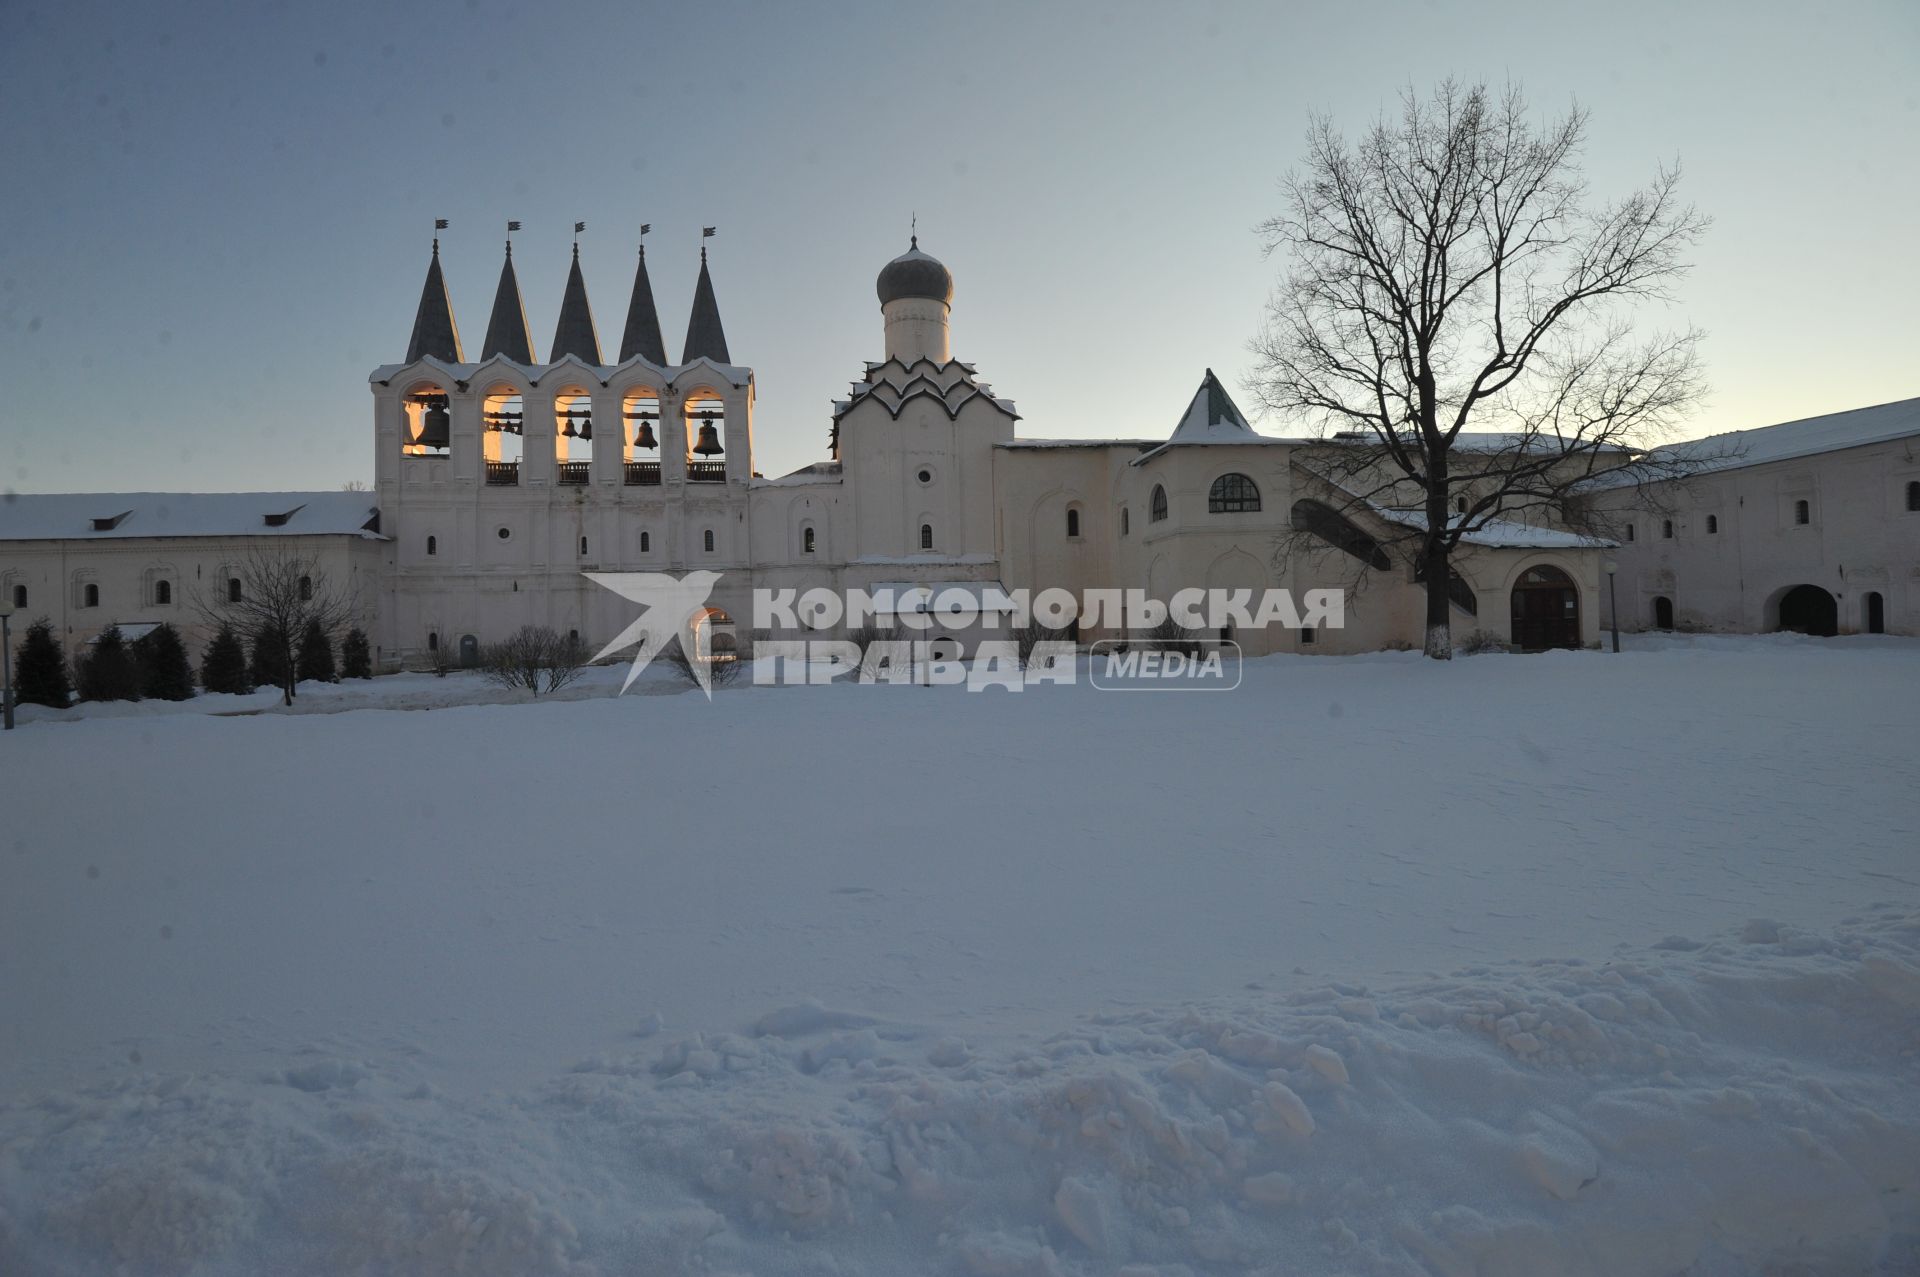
(469, 651)
(1808, 609)
(1546, 610)
(1662, 613)
(1876, 612)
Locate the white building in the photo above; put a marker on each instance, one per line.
(1809, 525)
(500, 480)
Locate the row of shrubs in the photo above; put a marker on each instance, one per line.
(155, 665)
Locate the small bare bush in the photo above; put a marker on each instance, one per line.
(534, 659)
(1479, 641)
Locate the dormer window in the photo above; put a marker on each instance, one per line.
(280, 520)
(108, 523)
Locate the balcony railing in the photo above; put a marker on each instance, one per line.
(643, 474)
(706, 472)
(503, 474)
(575, 472)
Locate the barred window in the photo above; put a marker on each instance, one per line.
(1157, 507)
(1233, 494)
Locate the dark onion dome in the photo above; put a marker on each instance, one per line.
(914, 274)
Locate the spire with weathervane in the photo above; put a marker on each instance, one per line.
(705, 337)
(575, 335)
(507, 332)
(434, 332)
(642, 336)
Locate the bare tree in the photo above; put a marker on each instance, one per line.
(279, 592)
(534, 658)
(1449, 270)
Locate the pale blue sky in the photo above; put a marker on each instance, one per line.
(216, 216)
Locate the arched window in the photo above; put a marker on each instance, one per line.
(1913, 495)
(1157, 505)
(433, 641)
(1713, 524)
(91, 594)
(433, 545)
(1073, 522)
(707, 539)
(926, 536)
(1802, 512)
(163, 593)
(1233, 494)
(1123, 521)
(1629, 532)
(19, 596)
(1666, 529)
(1662, 612)
(646, 542)
(306, 587)
(1459, 505)
(583, 547)
(233, 589)
(806, 540)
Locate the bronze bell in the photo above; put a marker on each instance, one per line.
(435, 426)
(568, 430)
(586, 429)
(708, 444)
(643, 437)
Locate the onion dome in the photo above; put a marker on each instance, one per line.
(914, 274)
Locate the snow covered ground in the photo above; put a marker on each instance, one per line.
(1559, 964)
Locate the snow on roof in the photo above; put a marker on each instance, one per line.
(1077, 443)
(129, 515)
(818, 472)
(1504, 533)
(1807, 437)
(1212, 417)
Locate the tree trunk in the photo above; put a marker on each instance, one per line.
(1439, 602)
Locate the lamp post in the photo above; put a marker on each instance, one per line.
(1613, 605)
(6, 665)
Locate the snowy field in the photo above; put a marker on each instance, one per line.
(1567, 964)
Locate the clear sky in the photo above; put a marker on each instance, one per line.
(215, 217)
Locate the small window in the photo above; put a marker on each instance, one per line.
(1629, 532)
(1713, 524)
(573, 636)
(1913, 496)
(1123, 521)
(1073, 523)
(1459, 507)
(1233, 494)
(1802, 512)
(1666, 530)
(504, 533)
(707, 539)
(925, 476)
(926, 536)
(19, 596)
(433, 545)
(646, 542)
(806, 541)
(1309, 636)
(92, 595)
(233, 589)
(1157, 506)
(306, 587)
(583, 547)
(163, 593)
(433, 641)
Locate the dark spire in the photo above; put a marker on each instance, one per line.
(705, 336)
(434, 332)
(507, 329)
(575, 335)
(642, 336)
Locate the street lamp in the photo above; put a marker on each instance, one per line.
(1613, 604)
(6, 665)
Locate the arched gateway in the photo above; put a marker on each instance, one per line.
(1546, 610)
